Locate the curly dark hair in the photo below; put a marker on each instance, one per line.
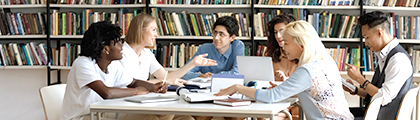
(230, 23)
(273, 48)
(375, 18)
(98, 35)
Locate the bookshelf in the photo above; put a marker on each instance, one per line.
(37, 67)
(199, 6)
(99, 6)
(307, 7)
(248, 8)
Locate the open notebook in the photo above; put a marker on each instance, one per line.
(149, 99)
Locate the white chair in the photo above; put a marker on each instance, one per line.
(52, 99)
(416, 111)
(407, 104)
(373, 109)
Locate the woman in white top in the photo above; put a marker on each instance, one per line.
(95, 77)
(139, 61)
(316, 81)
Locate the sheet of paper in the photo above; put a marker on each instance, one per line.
(223, 81)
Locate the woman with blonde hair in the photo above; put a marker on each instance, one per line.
(316, 81)
(139, 61)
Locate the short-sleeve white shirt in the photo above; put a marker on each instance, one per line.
(139, 66)
(79, 96)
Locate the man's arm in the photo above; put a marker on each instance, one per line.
(114, 92)
(152, 87)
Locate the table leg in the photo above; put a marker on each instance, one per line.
(91, 115)
(99, 116)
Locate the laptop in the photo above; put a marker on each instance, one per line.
(255, 68)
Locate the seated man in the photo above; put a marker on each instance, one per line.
(394, 74)
(224, 50)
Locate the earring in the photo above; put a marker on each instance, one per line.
(107, 52)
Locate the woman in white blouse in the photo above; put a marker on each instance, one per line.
(139, 61)
(316, 81)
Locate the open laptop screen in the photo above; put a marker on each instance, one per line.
(255, 68)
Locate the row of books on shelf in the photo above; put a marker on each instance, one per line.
(310, 2)
(23, 54)
(202, 2)
(65, 54)
(352, 56)
(22, 23)
(341, 56)
(404, 27)
(415, 57)
(177, 55)
(328, 25)
(72, 23)
(393, 3)
(97, 2)
(369, 60)
(22, 2)
(194, 24)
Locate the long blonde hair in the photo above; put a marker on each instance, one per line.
(305, 35)
(137, 28)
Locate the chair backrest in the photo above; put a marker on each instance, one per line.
(407, 104)
(373, 109)
(52, 99)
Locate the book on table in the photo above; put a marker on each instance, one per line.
(202, 97)
(150, 99)
(232, 102)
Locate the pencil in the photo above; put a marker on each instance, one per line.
(164, 78)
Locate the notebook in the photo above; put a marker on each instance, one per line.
(201, 97)
(255, 68)
(232, 102)
(144, 99)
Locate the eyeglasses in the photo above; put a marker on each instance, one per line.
(221, 34)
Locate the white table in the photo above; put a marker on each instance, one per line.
(180, 107)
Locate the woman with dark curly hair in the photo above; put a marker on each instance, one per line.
(282, 67)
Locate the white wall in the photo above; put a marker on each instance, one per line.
(19, 93)
(20, 98)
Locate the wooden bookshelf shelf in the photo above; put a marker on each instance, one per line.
(309, 7)
(24, 6)
(99, 6)
(61, 67)
(198, 6)
(67, 36)
(72, 36)
(23, 67)
(411, 41)
(391, 8)
(324, 39)
(22, 36)
(196, 38)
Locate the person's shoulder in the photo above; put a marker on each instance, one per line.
(237, 43)
(83, 60)
(207, 45)
(147, 51)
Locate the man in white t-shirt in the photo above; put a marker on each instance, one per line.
(95, 77)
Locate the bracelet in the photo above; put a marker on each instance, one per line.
(355, 91)
(364, 84)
